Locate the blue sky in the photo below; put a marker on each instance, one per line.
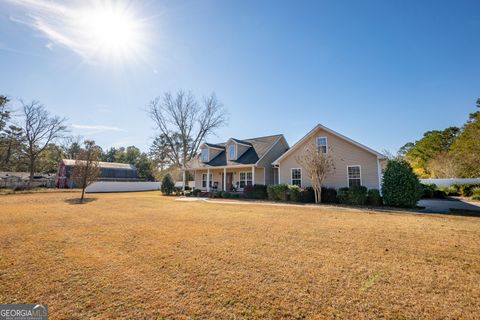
(381, 72)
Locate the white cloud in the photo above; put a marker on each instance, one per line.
(98, 128)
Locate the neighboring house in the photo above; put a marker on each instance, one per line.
(109, 171)
(355, 164)
(234, 164)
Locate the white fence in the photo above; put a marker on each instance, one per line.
(449, 182)
(117, 186)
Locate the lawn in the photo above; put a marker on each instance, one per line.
(141, 255)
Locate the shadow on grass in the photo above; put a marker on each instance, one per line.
(77, 200)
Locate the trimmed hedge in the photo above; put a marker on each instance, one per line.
(329, 195)
(294, 193)
(278, 192)
(400, 187)
(374, 198)
(257, 191)
(307, 195)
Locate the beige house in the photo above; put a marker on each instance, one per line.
(234, 164)
(355, 164)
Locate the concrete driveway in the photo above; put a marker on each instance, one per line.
(444, 206)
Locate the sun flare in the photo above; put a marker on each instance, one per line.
(111, 30)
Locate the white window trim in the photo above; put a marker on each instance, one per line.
(348, 178)
(235, 156)
(301, 176)
(208, 154)
(239, 179)
(326, 143)
(206, 180)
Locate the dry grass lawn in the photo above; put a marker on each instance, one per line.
(141, 255)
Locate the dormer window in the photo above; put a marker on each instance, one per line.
(232, 152)
(205, 155)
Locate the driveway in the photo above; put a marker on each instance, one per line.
(444, 206)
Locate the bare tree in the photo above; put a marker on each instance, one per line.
(444, 165)
(317, 166)
(184, 123)
(87, 166)
(40, 129)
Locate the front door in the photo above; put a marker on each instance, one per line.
(229, 181)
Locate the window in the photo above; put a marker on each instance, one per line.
(322, 144)
(297, 177)
(205, 155)
(204, 180)
(231, 151)
(354, 176)
(245, 179)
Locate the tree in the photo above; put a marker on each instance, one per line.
(400, 186)
(4, 112)
(87, 168)
(145, 167)
(71, 146)
(168, 186)
(443, 165)
(317, 166)
(182, 120)
(433, 143)
(39, 129)
(50, 158)
(466, 148)
(161, 152)
(11, 143)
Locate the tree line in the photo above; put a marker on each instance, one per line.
(33, 140)
(450, 153)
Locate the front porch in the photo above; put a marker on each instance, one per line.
(227, 179)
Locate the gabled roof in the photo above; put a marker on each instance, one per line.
(341, 136)
(244, 142)
(106, 165)
(213, 145)
(258, 148)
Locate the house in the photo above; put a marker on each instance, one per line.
(109, 171)
(268, 160)
(236, 163)
(355, 164)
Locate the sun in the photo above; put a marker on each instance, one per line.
(111, 30)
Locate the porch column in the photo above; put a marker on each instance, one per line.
(208, 180)
(253, 176)
(184, 178)
(224, 179)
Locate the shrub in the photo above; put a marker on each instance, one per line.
(476, 193)
(400, 186)
(450, 190)
(294, 193)
(234, 196)
(357, 195)
(428, 190)
(257, 191)
(374, 198)
(226, 195)
(329, 195)
(307, 195)
(168, 187)
(196, 192)
(466, 190)
(342, 195)
(178, 191)
(439, 194)
(278, 192)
